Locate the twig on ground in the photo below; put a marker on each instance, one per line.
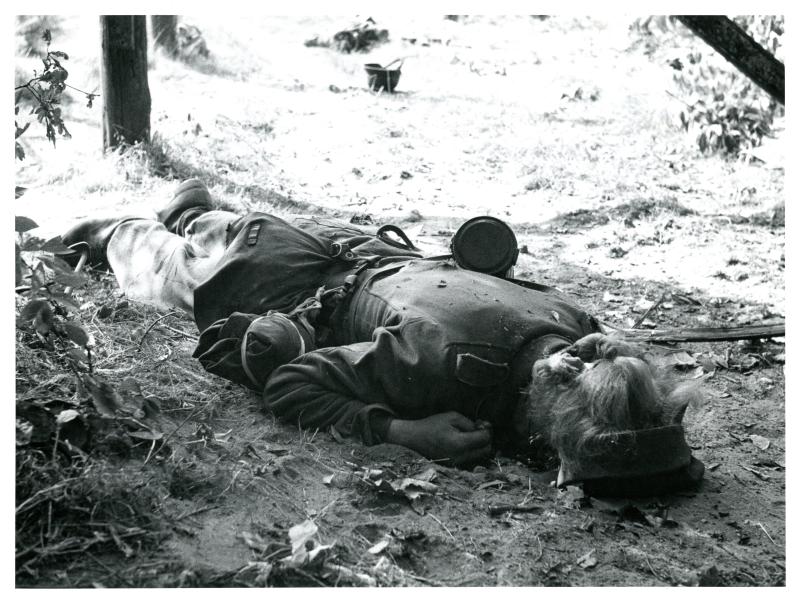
(179, 332)
(652, 571)
(188, 373)
(150, 452)
(195, 512)
(153, 324)
(41, 492)
(174, 431)
(756, 472)
(763, 529)
(437, 520)
(421, 579)
(111, 570)
(541, 549)
(649, 311)
(494, 511)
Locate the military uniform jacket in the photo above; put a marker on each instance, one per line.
(423, 337)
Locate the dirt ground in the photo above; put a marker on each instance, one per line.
(563, 128)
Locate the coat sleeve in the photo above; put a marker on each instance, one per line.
(356, 388)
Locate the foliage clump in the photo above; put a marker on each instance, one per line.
(358, 38)
(728, 113)
(46, 88)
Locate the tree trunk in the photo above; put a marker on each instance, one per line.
(126, 94)
(738, 48)
(164, 30)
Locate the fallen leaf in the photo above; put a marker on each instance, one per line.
(588, 560)
(611, 297)
(491, 484)
(328, 479)
(696, 373)
(300, 536)
(65, 416)
(378, 548)
(643, 304)
(410, 485)
(760, 441)
(24, 432)
(757, 473)
(428, 475)
(682, 360)
(146, 435)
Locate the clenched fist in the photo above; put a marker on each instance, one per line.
(447, 437)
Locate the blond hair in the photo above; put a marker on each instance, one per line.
(569, 406)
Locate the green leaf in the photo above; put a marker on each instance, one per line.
(21, 131)
(105, 399)
(23, 224)
(59, 54)
(71, 279)
(56, 264)
(32, 308)
(55, 245)
(43, 322)
(76, 333)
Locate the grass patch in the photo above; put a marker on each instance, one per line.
(67, 507)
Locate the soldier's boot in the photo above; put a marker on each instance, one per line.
(90, 237)
(190, 201)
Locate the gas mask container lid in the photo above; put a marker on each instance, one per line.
(485, 244)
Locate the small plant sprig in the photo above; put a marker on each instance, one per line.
(46, 89)
(50, 282)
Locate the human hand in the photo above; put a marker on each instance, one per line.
(598, 346)
(448, 437)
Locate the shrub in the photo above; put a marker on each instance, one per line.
(727, 111)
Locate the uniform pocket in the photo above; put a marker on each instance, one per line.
(481, 366)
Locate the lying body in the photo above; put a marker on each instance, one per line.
(392, 347)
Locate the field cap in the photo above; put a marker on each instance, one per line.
(643, 462)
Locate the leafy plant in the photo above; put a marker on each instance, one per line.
(49, 300)
(46, 89)
(726, 110)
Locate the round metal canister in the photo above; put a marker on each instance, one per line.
(485, 244)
